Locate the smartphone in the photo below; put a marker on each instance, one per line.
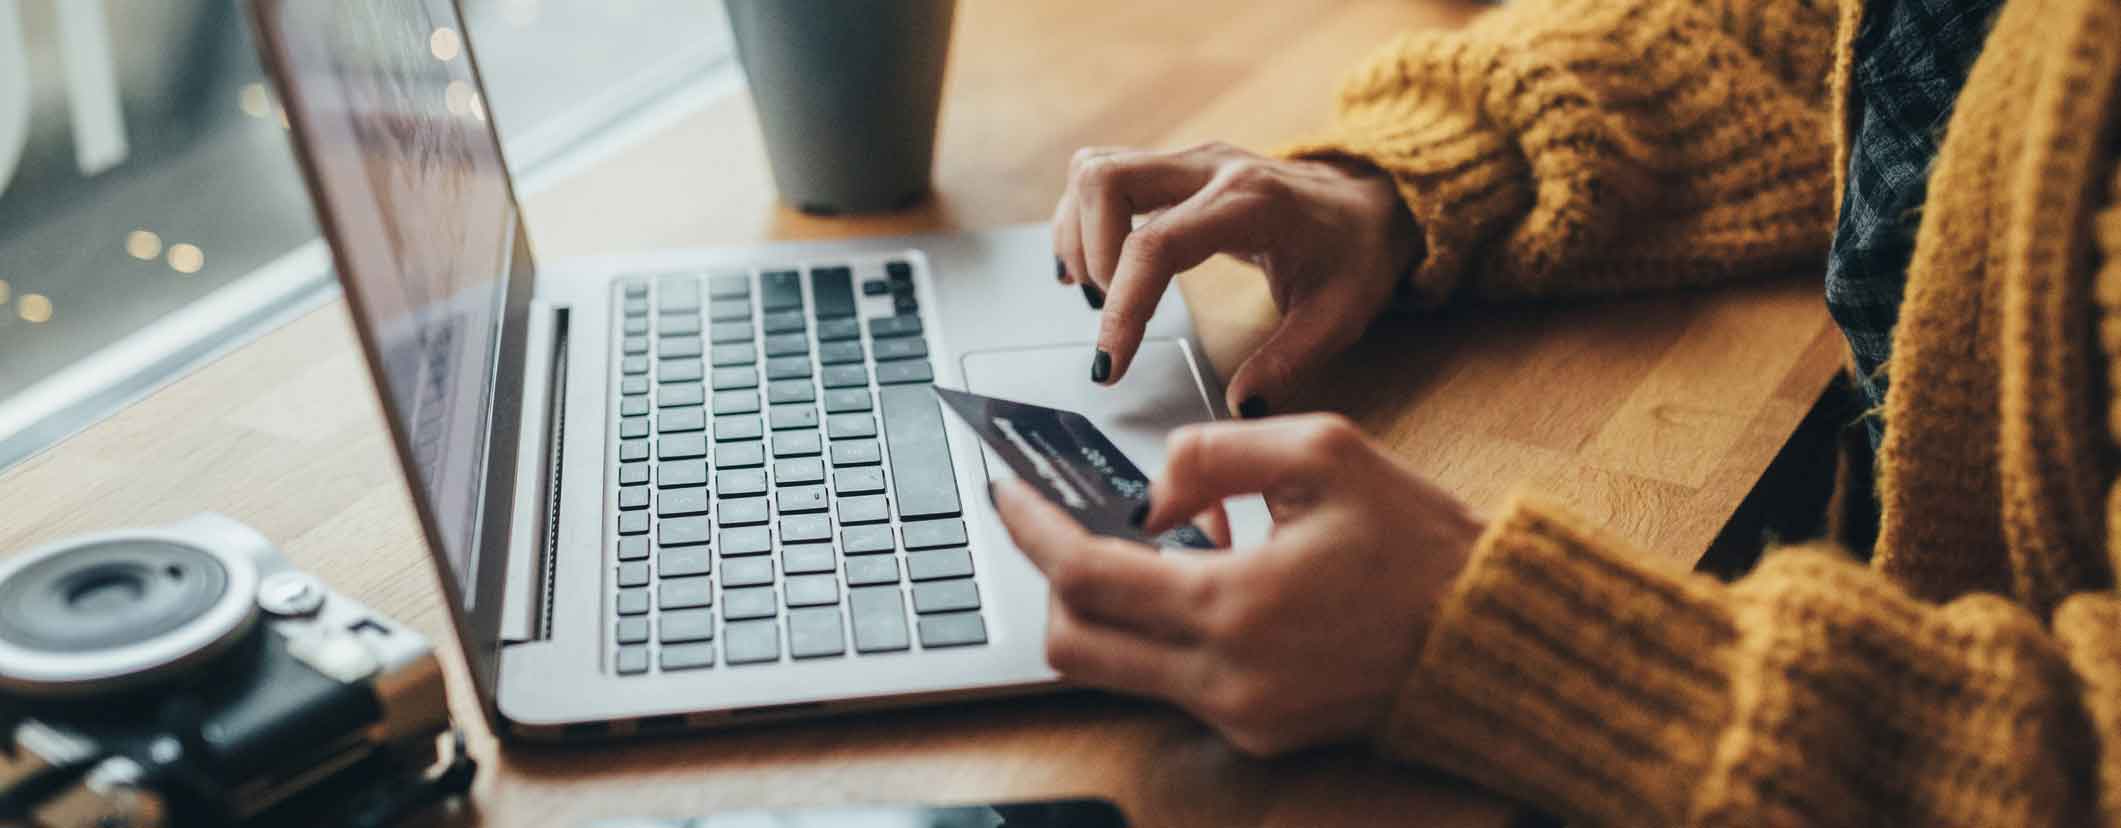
(1057, 813)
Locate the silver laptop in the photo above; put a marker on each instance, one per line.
(688, 488)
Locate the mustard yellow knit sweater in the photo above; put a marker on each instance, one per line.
(1971, 675)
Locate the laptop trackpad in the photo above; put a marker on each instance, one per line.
(1161, 391)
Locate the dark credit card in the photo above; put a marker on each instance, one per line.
(1066, 458)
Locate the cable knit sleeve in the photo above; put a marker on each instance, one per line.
(1568, 147)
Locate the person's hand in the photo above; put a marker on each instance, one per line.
(1300, 641)
(1333, 240)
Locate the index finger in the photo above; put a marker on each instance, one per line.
(1176, 241)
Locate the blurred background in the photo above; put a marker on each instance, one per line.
(151, 214)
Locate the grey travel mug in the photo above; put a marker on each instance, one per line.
(847, 93)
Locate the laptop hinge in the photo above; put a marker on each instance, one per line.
(527, 613)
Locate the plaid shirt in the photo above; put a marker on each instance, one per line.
(1911, 58)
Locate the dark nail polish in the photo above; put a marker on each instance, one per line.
(1060, 270)
(1101, 367)
(1094, 296)
(1253, 408)
(1140, 516)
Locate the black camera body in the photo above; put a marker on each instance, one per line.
(189, 675)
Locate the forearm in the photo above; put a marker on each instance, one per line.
(1564, 147)
(1812, 691)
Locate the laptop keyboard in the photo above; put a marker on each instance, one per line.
(785, 490)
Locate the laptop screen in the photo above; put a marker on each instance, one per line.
(416, 197)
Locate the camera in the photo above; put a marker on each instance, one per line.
(190, 675)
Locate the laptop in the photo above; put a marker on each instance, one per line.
(694, 488)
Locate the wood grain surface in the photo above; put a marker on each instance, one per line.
(1653, 416)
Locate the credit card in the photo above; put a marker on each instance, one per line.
(1066, 458)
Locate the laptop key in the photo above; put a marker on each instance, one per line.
(635, 325)
(728, 333)
(904, 372)
(934, 564)
(794, 499)
(634, 365)
(870, 569)
(633, 428)
(746, 540)
(686, 625)
(680, 474)
(633, 474)
(672, 396)
(634, 548)
(779, 322)
(633, 574)
(741, 455)
(885, 327)
(921, 473)
(857, 481)
(812, 590)
(798, 470)
(728, 429)
(797, 443)
(634, 345)
(738, 354)
(815, 633)
(900, 271)
(683, 531)
(686, 325)
(945, 596)
(691, 500)
(864, 509)
(805, 528)
(789, 391)
(633, 601)
(744, 572)
(789, 344)
(729, 310)
(684, 593)
(863, 540)
(879, 618)
(780, 290)
(632, 630)
(799, 415)
(906, 347)
(727, 285)
(845, 376)
(806, 558)
(844, 400)
(734, 377)
(835, 330)
(929, 534)
(633, 497)
(843, 426)
(749, 602)
(681, 447)
(751, 642)
(905, 303)
(735, 402)
(856, 453)
(679, 370)
(634, 406)
(633, 523)
(875, 287)
(679, 563)
(839, 353)
(832, 292)
(632, 661)
(797, 367)
(634, 288)
(631, 386)
(681, 420)
(687, 657)
(746, 511)
(956, 629)
(678, 347)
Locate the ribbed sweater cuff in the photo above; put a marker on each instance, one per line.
(1562, 672)
(1460, 183)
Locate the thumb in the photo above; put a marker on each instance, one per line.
(1309, 334)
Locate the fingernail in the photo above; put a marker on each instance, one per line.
(1060, 270)
(1094, 296)
(1140, 516)
(1253, 408)
(1101, 367)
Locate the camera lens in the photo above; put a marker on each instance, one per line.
(119, 609)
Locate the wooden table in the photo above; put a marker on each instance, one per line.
(1654, 416)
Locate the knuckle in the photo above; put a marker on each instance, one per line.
(1064, 651)
(1253, 175)
(1072, 581)
(1331, 435)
